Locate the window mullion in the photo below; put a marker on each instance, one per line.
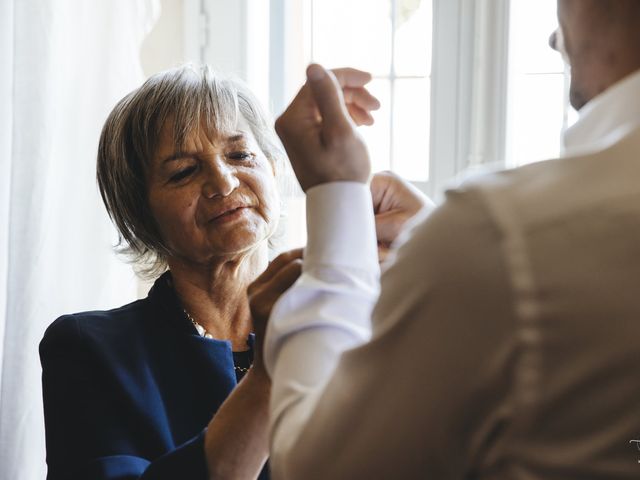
(449, 91)
(490, 79)
(468, 85)
(392, 82)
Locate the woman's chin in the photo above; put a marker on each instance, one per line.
(239, 244)
(225, 244)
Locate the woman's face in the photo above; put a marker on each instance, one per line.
(216, 198)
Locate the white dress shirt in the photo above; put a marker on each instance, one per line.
(506, 338)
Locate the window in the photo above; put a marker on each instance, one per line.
(462, 82)
(538, 102)
(392, 40)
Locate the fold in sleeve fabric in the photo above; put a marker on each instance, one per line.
(309, 332)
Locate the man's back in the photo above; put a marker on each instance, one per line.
(504, 338)
(570, 239)
(508, 330)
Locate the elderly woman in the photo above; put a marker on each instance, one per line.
(187, 169)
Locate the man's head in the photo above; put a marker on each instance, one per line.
(601, 41)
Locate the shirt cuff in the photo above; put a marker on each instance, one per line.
(341, 226)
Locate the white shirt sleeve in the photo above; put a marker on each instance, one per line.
(482, 341)
(326, 312)
(420, 392)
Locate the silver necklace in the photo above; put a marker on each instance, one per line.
(203, 333)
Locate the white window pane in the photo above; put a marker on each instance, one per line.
(354, 33)
(537, 117)
(411, 124)
(413, 37)
(537, 97)
(532, 22)
(378, 136)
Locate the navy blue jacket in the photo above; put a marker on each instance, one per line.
(129, 392)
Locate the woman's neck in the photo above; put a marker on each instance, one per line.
(215, 295)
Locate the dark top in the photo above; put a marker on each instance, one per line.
(128, 393)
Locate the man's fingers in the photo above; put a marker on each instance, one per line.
(389, 225)
(361, 98)
(359, 116)
(380, 191)
(351, 77)
(328, 96)
(275, 266)
(302, 108)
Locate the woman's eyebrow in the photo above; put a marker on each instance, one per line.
(179, 155)
(237, 137)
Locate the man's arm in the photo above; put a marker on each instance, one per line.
(327, 312)
(416, 400)
(427, 394)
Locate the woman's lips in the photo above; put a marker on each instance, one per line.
(229, 215)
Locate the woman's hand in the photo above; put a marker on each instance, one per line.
(395, 201)
(265, 291)
(236, 441)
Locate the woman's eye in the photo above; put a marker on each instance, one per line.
(182, 174)
(241, 155)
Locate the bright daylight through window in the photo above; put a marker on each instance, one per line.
(538, 103)
(462, 82)
(392, 40)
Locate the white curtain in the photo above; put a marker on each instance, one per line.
(63, 65)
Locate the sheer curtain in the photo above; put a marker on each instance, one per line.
(64, 65)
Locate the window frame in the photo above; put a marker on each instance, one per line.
(569, 115)
(469, 75)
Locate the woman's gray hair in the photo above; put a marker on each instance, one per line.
(191, 98)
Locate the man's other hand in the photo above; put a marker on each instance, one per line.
(395, 201)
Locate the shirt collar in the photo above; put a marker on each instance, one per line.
(605, 119)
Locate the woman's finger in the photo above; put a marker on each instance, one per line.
(275, 266)
(383, 253)
(264, 296)
(284, 278)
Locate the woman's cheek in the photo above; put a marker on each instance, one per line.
(177, 217)
(274, 205)
(264, 188)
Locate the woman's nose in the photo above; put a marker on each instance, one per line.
(221, 181)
